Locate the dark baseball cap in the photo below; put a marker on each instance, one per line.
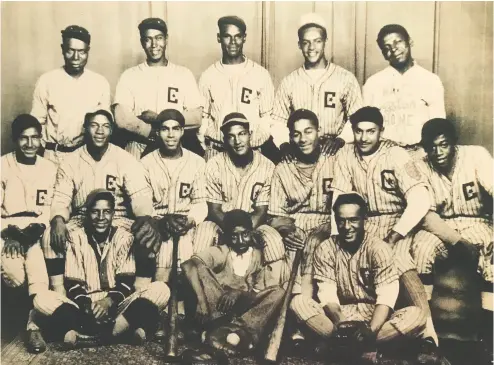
(171, 114)
(23, 122)
(233, 20)
(77, 32)
(99, 194)
(153, 23)
(234, 118)
(237, 218)
(367, 114)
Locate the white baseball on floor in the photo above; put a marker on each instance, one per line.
(233, 339)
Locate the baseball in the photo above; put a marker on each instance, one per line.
(233, 339)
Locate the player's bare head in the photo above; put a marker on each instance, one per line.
(439, 139)
(367, 125)
(170, 127)
(238, 230)
(100, 208)
(75, 48)
(26, 134)
(312, 37)
(98, 127)
(154, 38)
(350, 210)
(303, 126)
(394, 42)
(231, 35)
(236, 134)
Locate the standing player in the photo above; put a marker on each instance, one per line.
(237, 84)
(99, 276)
(143, 91)
(461, 181)
(98, 164)
(357, 281)
(407, 94)
(63, 96)
(328, 90)
(396, 194)
(26, 192)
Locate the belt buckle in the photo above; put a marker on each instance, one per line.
(56, 147)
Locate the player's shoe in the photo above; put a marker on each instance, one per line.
(75, 340)
(139, 337)
(160, 334)
(429, 353)
(35, 342)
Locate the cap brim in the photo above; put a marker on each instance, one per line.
(234, 122)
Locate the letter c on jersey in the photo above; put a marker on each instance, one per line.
(111, 183)
(246, 93)
(256, 190)
(388, 180)
(41, 196)
(329, 99)
(172, 95)
(469, 191)
(184, 191)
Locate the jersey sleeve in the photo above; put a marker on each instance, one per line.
(137, 188)
(123, 92)
(267, 96)
(213, 257)
(437, 109)
(325, 261)
(405, 169)
(125, 259)
(192, 96)
(213, 183)
(40, 102)
(483, 168)
(74, 264)
(342, 182)
(198, 193)
(282, 103)
(382, 264)
(63, 192)
(278, 196)
(264, 195)
(352, 96)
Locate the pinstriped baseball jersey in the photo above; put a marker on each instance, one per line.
(97, 269)
(461, 196)
(305, 198)
(356, 276)
(236, 189)
(383, 181)
(333, 97)
(249, 91)
(175, 191)
(27, 188)
(117, 171)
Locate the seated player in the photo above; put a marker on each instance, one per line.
(357, 281)
(26, 192)
(240, 178)
(461, 181)
(97, 164)
(233, 305)
(99, 276)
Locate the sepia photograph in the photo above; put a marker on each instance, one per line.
(247, 182)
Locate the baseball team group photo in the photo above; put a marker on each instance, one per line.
(247, 183)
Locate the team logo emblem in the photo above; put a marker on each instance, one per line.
(326, 185)
(41, 196)
(184, 190)
(365, 276)
(246, 93)
(256, 190)
(469, 191)
(172, 95)
(412, 171)
(388, 180)
(329, 99)
(111, 184)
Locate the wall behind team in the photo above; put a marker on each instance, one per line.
(453, 39)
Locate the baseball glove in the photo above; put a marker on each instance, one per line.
(173, 225)
(230, 339)
(352, 334)
(91, 326)
(27, 236)
(146, 231)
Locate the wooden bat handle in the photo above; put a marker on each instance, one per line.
(172, 344)
(274, 344)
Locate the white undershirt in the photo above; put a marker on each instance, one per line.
(240, 263)
(316, 74)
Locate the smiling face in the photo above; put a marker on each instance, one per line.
(100, 216)
(441, 152)
(98, 131)
(237, 139)
(396, 50)
(29, 142)
(154, 43)
(305, 136)
(367, 136)
(350, 222)
(232, 40)
(312, 44)
(170, 135)
(75, 54)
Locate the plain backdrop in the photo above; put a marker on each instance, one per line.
(452, 39)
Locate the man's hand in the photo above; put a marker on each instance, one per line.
(393, 237)
(228, 300)
(178, 225)
(329, 146)
(364, 335)
(12, 249)
(147, 234)
(286, 152)
(295, 240)
(283, 225)
(59, 235)
(148, 116)
(101, 307)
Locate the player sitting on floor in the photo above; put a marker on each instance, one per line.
(233, 305)
(26, 192)
(99, 278)
(357, 281)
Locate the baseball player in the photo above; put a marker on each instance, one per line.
(357, 281)
(461, 181)
(98, 164)
(236, 84)
(63, 96)
(407, 94)
(143, 91)
(99, 276)
(233, 304)
(26, 192)
(397, 196)
(330, 91)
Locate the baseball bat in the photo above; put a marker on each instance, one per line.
(172, 343)
(274, 344)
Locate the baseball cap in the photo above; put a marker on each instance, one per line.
(234, 20)
(434, 128)
(302, 114)
(99, 194)
(311, 19)
(367, 114)
(171, 114)
(237, 218)
(234, 118)
(89, 116)
(77, 32)
(153, 23)
(23, 122)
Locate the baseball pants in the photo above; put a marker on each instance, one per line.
(408, 321)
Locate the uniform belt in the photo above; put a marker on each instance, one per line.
(371, 214)
(60, 148)
(23, 214)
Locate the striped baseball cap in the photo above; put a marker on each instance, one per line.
(234, 118)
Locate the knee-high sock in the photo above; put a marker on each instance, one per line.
(65, 318)
(142, 314)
